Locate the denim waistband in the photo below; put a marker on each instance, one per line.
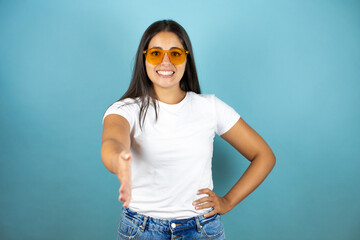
(166, 224)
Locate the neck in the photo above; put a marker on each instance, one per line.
(170, 96)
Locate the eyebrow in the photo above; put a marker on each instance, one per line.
(170, 48)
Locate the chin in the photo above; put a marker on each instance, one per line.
(167, 83)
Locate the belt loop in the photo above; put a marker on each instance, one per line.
(198, 226)
(142, 227)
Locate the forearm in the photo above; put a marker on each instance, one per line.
(254, 175)
(110, 151)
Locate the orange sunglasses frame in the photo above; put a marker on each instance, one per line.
(153, 62)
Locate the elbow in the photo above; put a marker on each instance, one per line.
(268, 158)
(272, 159)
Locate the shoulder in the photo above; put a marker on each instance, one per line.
(202, 98)
(127, 108)
(127, 105)
(130, 103)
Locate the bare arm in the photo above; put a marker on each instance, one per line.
(254, 148)
(115, 152)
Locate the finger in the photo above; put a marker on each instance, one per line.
(122, 189)
(121, 198)
(205, 191)
(124, 193)
(126, 204)
(205, 205)
(124, 197)
(202, 200)
(209, 214)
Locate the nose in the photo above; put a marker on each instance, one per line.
(166, 58)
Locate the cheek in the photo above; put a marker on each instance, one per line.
(181, 69)
(147, 66)
(149, 69)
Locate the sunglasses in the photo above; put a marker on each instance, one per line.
(155, 55)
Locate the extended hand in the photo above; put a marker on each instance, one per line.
(219, 204)
(124, 177)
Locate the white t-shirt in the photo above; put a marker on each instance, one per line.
(172, 156)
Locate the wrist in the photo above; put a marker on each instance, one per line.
(229, 203)
(116, 166)
(122, 166)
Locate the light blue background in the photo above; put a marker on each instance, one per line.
(290, 68)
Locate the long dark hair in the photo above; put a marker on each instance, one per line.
(141, 86)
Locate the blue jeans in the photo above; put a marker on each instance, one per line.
(137, 226)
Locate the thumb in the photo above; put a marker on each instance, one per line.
(126, 155)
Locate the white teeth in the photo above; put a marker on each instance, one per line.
(165, 72)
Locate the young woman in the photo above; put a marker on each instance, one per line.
(158, 140)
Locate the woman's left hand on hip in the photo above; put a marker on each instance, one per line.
(220, 205)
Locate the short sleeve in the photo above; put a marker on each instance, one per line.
(124, 109)
(226, 116)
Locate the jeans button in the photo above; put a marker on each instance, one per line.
(173, 225)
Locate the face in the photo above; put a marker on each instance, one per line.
(165, 75)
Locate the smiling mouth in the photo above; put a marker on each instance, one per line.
(165, 73)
